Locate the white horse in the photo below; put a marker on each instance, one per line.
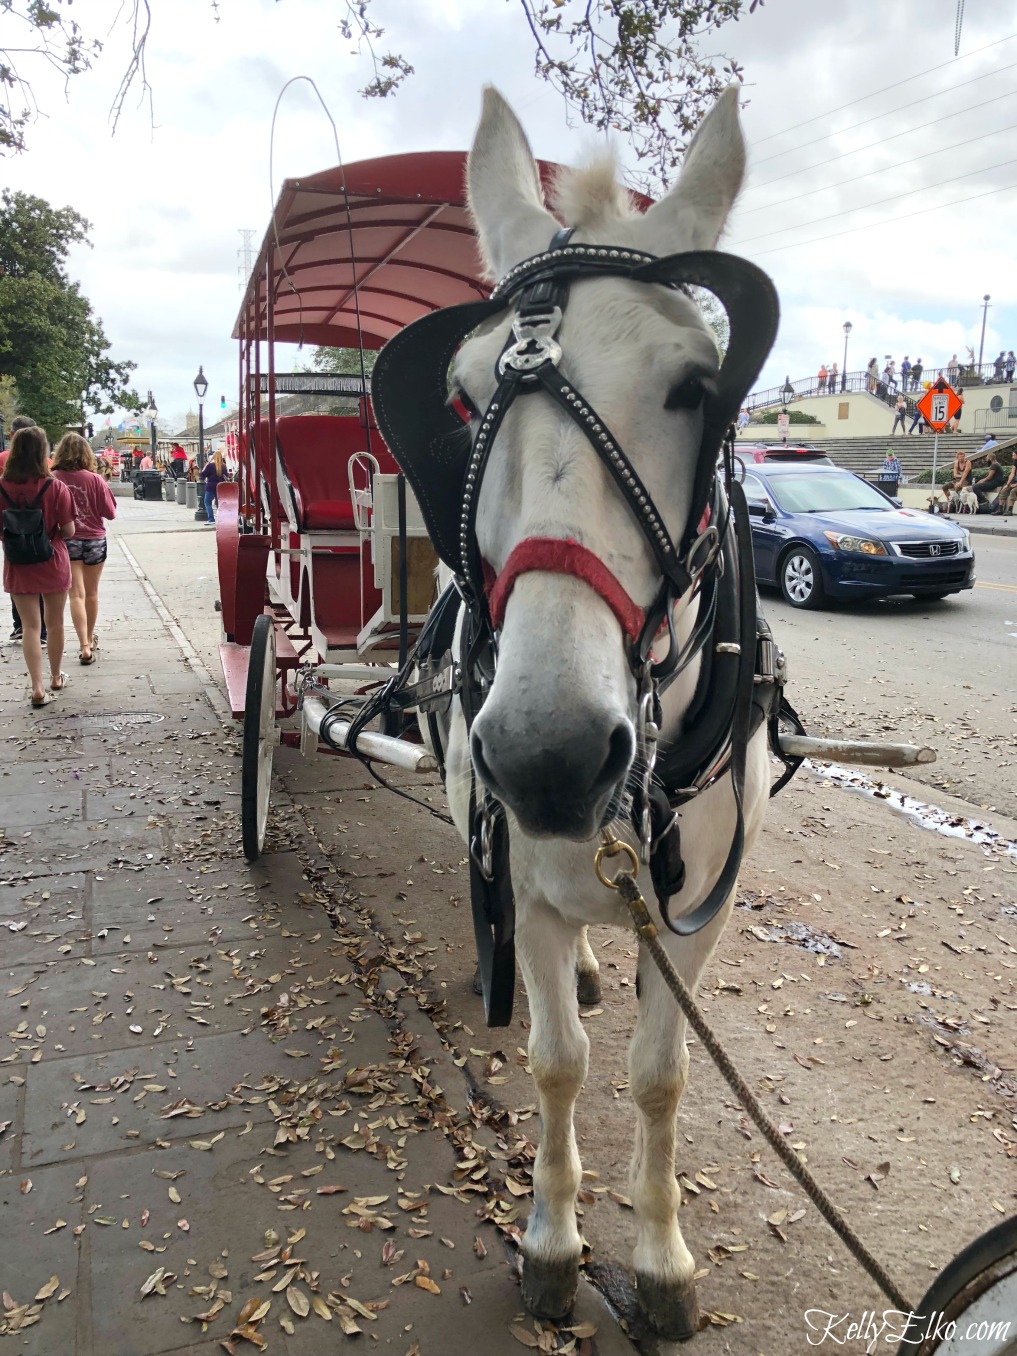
(555, 739)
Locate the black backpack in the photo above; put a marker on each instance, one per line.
(26, 541)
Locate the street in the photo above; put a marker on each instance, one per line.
(926, 673)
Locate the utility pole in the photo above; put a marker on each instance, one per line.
(981, 346)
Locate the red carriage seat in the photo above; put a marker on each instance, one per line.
(315, 451)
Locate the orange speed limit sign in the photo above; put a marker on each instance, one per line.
(939, 404)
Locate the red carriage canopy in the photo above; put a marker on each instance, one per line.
(406, 246)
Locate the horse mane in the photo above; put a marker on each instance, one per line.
(590, 196)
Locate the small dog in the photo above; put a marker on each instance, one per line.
(937, 504)
(968, 501)
(953, 501)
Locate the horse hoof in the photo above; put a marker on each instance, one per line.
(549, 1288)
(588, 987)
(672, 1310)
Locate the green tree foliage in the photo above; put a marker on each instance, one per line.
(629, 66)
(51, 344)
(344, 362)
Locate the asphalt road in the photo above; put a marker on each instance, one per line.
(943, 674)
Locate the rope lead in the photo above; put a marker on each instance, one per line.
(625, 883)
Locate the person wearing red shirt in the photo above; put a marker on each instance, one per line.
(26, 482)
(20, 421)
(94, 506)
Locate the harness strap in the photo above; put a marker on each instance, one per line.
(707, 911)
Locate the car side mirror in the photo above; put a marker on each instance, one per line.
(762, 511)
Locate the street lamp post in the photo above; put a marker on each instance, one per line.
(981, 346)
(200, 387)
(151, 415)
(843, 371)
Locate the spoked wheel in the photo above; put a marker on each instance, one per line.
(259, 738)
(972, 1305)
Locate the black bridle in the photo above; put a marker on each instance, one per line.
(740, 671)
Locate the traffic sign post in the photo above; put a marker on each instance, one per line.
(783, 424)
(937, 407)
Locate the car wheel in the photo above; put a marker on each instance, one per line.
(801, 580)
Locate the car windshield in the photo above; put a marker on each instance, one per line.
(812, 493)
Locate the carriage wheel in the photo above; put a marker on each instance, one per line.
(259, 738)
(974, 1296)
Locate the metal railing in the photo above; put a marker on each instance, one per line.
(1005, 418)
(962, 376)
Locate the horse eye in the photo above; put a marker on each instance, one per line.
(687, 395)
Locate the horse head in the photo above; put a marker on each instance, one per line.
(556, 737)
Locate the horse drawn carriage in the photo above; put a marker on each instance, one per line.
(563, 710)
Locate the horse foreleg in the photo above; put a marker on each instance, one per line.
(587, 971)
(658, 1070)
(558, 1054)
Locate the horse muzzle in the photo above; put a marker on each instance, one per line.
(557, 781)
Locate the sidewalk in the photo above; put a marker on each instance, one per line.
(222, 1108)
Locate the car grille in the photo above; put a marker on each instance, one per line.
(934, 578)
(923, 550)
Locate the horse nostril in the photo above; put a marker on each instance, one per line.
(620, 751)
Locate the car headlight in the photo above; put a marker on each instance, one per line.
(843, 541)
(967, 539)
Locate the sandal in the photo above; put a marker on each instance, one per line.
(83, 660)
(44, 700)
(59, 682)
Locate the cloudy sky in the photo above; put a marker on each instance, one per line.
(889, 207)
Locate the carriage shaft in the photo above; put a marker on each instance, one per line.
(382, 748)
(869, 753)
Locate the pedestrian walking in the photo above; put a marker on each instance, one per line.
(38, 519)
(1011, 363)
(955, 422)
(916, 375)
(900, 417)
(832, 379)
(889, 375)
(998, 366)
(918, 420)
(743, 419)
(905, 372)
(213, 474)
(21, 421)
(952, 370)
(178, 462)
(872, 375)
(94, 506)
(821, 379)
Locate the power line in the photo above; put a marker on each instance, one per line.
(884, 169)
(888, 221)
(872, 145)
(975, 79)
(880, 202)
(885, 90)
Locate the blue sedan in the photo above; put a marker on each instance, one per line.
(820, 532)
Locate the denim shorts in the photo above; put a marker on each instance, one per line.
(89, 550)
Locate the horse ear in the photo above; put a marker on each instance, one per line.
(503, 189)
(692, 215)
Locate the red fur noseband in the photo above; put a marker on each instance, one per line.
(562, 555)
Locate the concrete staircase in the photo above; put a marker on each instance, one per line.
(865, 455)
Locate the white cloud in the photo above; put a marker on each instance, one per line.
(167, 203)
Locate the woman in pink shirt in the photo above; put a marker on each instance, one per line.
(74, 466)
(26, 484)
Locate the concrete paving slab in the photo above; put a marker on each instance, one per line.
(53, 774)
(10, 1099)
(45, 920)
(37, 1243)
(79, 846)
(42, 807)
(211, 1072)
